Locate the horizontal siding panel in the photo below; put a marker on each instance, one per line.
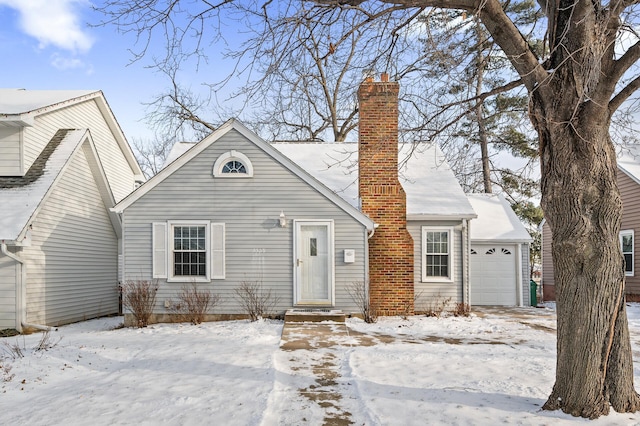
(429, 293)
(80, 116)
(250, 209)
(72, 269)
(630, 193)
(10, 157)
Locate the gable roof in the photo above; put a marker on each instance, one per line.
(496, 220)
(22, 198)
(193, 150)
(21, 101)
(433, 192)
(19, 107)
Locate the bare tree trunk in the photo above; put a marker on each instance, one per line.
(582, 204)
(481, 64)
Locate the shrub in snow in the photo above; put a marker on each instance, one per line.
(359, 294)
(139, 297)
(462, 310)
(5, 371)
(46, 341)
(256, 301)
(193, 303)
(437, 306)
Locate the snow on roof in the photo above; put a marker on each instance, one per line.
(629, 161)
(177, 150)
(496, 220)
(430, 185)
(20, 203)
(20, 101)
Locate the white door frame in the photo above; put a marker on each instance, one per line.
(297, 275)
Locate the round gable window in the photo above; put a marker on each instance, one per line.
(233, 164)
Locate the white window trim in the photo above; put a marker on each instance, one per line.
(188, 278)
(633, 254)
(423, 253)
(232, 156)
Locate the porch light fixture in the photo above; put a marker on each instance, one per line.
(283, 220)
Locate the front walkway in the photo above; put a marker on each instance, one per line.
(313, 371)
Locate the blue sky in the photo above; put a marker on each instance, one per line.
(48, 44)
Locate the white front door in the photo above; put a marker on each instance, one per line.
(313, 263)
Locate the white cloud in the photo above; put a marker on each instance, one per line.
(65, 63)
(53, 22)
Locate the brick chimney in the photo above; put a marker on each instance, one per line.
(391, 279)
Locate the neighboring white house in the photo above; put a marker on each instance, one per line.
(64, 163)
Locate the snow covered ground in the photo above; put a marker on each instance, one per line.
(491, 368)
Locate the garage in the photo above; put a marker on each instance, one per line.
(493, 275)
(499, 254)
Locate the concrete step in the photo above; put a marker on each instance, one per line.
(314, 315)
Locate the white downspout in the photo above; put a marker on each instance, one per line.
(21, 311)
(466, 252)
(519, 274)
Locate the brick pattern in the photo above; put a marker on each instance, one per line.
(383, 199)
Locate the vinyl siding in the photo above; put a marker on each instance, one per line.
(9, 270)
(630, 192)
(257, 249)
(80, 116)
(72, 262)
(10, 157)
(428, 293)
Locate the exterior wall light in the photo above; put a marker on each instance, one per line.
(283, 220)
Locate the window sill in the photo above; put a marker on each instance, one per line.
(436, 280)
(188, 279)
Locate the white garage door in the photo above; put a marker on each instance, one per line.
(493, 275)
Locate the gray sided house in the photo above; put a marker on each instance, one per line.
(629, 185)
(64, 163)
(234, 210)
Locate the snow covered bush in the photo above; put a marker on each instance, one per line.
(139, 297)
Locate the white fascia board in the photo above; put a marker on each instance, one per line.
(102, 183)
(500, 241)
(422, 217)
(116, 130)
(631, 175)
(18, 120)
